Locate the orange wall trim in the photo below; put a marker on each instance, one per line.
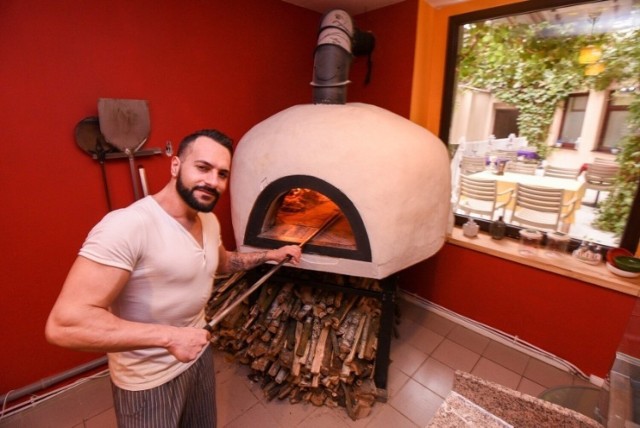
(430, 53)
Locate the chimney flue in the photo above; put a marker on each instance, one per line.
(332, 58)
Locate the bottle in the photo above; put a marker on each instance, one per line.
(498, 229)
(470, 228)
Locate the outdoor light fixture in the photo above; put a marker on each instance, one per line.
(594, 69)
(590, 55)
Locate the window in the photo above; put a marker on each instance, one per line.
(551, 11)
(572, 120)
(615, 127)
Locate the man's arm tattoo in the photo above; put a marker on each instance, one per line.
(246, 261)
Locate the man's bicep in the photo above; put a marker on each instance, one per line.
(92, 283)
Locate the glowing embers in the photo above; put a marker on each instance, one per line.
(299, 213)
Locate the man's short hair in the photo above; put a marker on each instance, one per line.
(214, 134)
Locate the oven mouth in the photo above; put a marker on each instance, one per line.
(273, 222)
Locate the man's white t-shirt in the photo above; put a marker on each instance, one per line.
(171, 281)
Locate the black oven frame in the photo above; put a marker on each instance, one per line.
(270, 199)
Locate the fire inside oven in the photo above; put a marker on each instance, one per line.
(292, 208)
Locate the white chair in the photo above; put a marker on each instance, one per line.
(560, 172)
(541, 207)
(521, 167)
(472, 164)
(600, 176)
(481, 197)
(505, 155)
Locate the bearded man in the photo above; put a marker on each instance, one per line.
(139, 286)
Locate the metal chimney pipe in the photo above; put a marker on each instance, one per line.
(332, 58)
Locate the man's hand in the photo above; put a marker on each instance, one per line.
(186, 343)
(280, 254)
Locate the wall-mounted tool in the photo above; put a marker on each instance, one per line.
(90, 139)
(125, 124)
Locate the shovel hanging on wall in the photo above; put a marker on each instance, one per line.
(125, 124)
(90, 139)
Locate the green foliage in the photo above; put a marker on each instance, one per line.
(613, 212)
(534, 68)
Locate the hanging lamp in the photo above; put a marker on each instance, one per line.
(590, 54)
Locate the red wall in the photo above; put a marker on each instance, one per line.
(211, 64)
(199, 64)
(579, 322)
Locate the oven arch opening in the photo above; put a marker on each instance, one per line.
(290, 207)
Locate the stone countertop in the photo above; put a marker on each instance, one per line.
(507, 406)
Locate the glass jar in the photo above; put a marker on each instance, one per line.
(470, 228)
(557, 243)
(530, 241)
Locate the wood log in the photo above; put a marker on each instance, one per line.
(321, 347)
(362, 340)
(316, 329)
(318, 397)
(339, 315)
(301, 345)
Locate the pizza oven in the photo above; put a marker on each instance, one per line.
(384, 180)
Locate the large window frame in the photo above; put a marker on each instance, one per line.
(631, 235)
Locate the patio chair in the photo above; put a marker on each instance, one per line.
(560, 172)
(600, 176)
(605, 161)
(472, 164)
(540, 207)
(521, 167)
(481, 197)
(505, 155)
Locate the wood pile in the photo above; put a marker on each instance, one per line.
(302, 342)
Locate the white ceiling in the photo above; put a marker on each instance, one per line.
(355, 7)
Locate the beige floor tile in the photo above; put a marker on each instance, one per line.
(455, 356)
(436, 376)
(425, 318)
(545, 374)
(469, 339)
(396, 378)
(494, 372)
(257, 415)
(418, 336)
(106, 419)
(233, 398)
(506, 356)
(436, 323)
(390, 417)
(529, 387)
(324, 417)
(287, 414)
(410, 311)
(416, 402)
(406, 358)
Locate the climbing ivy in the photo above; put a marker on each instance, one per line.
(535, 67)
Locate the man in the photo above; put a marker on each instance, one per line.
(138, 288)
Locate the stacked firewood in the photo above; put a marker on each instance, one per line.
(304, 343)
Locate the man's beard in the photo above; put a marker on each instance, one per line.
(187, 195)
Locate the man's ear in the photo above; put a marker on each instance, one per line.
(175, 166)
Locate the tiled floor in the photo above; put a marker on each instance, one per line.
(424, 357)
